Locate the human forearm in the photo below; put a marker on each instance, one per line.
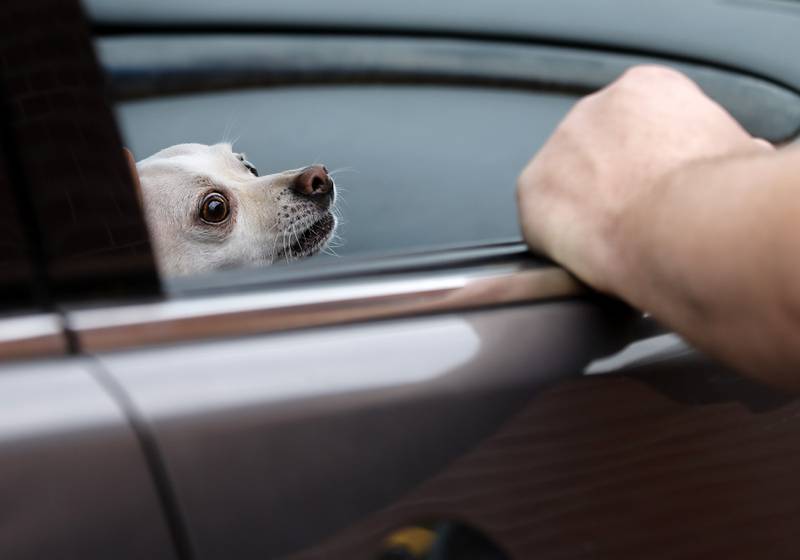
(650, 191)
(713, 251)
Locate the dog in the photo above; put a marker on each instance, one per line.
(207, 209)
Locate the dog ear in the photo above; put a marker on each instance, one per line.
(134, 174)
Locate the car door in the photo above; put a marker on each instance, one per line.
(366, 383)
(436, 391)
(74, 481)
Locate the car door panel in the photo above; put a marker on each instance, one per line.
(272, 442)
(74, 481)
(682, 459)
(319, 443)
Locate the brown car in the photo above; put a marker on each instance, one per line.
(432, 390)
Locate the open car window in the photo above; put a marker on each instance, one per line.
(416, 166)
(423, 136)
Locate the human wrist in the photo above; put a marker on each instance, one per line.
(630, 236)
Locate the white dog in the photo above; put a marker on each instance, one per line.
(208, 209)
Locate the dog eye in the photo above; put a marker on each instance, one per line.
(214, 208)
(250, 168)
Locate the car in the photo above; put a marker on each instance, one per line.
(432, 390)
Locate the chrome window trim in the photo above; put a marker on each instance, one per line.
(32, 336)
(315, 305)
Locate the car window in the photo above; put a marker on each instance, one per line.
(423, 136)
(415, 166)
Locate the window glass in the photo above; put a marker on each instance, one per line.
(415, 167)
(416, 160)
(405, 127)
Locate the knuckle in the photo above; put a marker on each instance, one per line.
(584, 106)
(647, 74)
(642, 81)
(588, 100)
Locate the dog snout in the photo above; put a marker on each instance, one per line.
(315, 183)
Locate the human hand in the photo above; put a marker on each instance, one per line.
(614, 145)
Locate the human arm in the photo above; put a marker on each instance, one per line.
(651, 192)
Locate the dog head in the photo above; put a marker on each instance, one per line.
(207, 209)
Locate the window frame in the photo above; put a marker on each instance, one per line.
(85, 229)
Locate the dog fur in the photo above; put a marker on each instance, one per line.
(267, 220)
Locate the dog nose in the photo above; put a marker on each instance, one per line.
(315, 183)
